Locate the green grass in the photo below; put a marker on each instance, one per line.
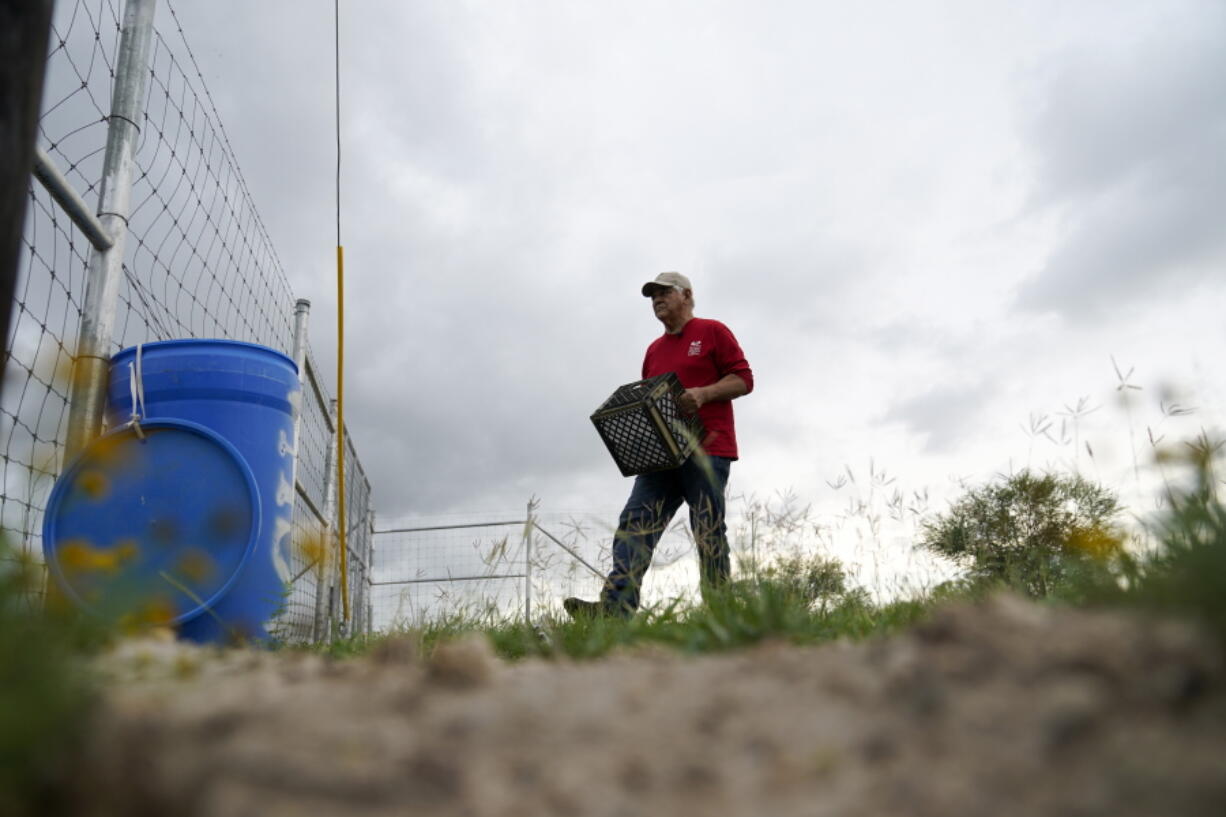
(447, 627)
(45, 694)
(742, 616)
(745, 613)
(807, 601)
(1186, 576)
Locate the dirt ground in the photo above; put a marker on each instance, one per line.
(999, 709)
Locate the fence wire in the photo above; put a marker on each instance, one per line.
(359, 538)
(315, 433)
(474, 572)
(198, 263)
(432, 569)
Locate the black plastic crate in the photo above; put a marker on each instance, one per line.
(644, 428)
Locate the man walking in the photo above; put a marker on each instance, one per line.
(709, 362)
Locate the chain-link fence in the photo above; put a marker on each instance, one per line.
(197, 263)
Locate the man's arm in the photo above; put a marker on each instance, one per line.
(728, 387)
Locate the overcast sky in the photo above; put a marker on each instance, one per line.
(928, 223)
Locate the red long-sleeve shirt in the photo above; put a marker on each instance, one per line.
(702, 353)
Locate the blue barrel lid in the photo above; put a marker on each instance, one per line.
(155, 525)
(202, 345)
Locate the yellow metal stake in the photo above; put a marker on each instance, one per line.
(340, 426)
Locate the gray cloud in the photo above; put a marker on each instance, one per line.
(1131, 150)
(943, 413)
(512, 173)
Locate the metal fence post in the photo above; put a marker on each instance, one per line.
(90, 366)
(302, 315)
(528, 525)
(370, 570)
(325, 574)
(358, 625)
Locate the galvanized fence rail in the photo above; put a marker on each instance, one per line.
(139, 228)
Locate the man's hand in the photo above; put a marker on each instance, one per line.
(692, 399)
(729, 387)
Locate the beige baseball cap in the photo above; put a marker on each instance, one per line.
(667, 279)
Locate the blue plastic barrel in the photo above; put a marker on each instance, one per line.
(187, 516)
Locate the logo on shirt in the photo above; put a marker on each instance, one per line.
(695, 348)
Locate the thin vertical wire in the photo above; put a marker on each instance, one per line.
(337, 65)
(340, 338)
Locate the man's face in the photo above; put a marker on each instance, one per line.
(667, 302)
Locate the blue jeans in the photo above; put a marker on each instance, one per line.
(653, 501)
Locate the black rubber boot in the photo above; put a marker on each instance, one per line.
(581, 609)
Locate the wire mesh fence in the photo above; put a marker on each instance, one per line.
(359, 537)
(202, 264)
(316, 429)
(485, 569)
(428, 572)
(198, 263)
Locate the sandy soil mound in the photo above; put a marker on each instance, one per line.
(999, 709)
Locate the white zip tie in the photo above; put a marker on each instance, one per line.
(136, 384)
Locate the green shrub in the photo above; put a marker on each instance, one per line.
(1036, 533)
(814, 580)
